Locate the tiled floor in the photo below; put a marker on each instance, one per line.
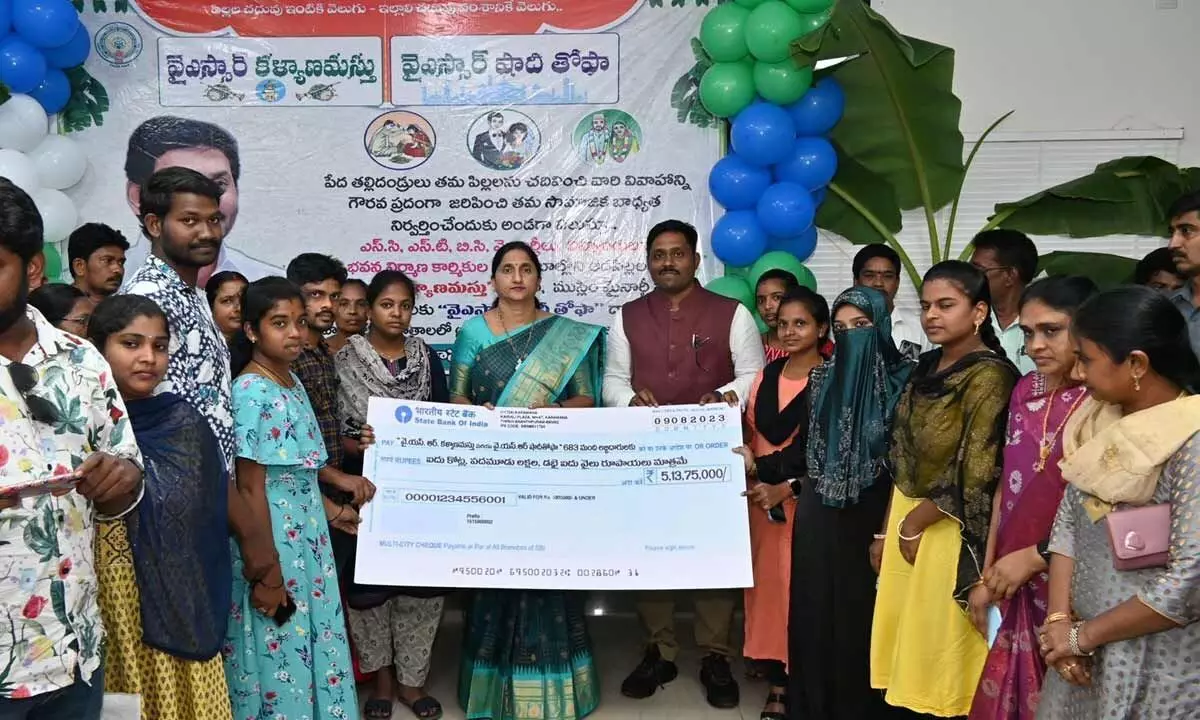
(617, 642)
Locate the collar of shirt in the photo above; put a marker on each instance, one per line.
(157, 270)
(1184, 297)
(50, 341)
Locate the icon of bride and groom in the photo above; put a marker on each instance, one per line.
(400, 140)
(503, 140)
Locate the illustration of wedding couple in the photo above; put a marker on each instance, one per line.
(602, 143)
(400, 145)
(503, 148)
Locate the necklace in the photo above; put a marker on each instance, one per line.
(271, 375)
(1046, 446)
(508, 338)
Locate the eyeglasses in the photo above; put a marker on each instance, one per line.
(25, 379)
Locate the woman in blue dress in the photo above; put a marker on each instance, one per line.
(286, 653)
(527, 655)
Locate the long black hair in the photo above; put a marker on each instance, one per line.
(56, 301)
(257, 300)
(973, 283)
(1127, 319)
(1064, 293)
(117, 312)
(507, 248)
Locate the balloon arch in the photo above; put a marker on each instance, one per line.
(780, 161)
(40, 42)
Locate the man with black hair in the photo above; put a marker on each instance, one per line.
(168, 141)
(1157, 270)
(64, 421)
(180, 212)
(1184, 217)
(96, 253)
(320, 279)
(878, 266)
(489, 145)
(1009, 259)
(682, 344)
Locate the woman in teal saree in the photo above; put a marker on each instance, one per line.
(526, 654)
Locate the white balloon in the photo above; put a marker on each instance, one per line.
(17, 167)
(59, 216)
(60, 162)
(23, 123)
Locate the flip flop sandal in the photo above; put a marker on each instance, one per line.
(378, 709)
(427, 708)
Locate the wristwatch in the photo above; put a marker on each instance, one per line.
(1043, 549)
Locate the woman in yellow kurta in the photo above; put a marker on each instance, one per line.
(928, 638)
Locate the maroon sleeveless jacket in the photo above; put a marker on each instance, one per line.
(679, 356)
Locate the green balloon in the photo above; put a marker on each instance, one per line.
(810, 6)
(780, 260)
(726, 88)
(749, 4)
(53, 271)
(723, 32)
(734, 288)
(771, 29)
(782, 83)
(812, 22)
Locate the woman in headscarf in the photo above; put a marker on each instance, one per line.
(842, 481)
(777, 415)
(928, 639)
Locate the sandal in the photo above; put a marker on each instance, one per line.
(377, 709)
(427, 708)
(775, 699)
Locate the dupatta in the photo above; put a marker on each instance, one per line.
(179, 533)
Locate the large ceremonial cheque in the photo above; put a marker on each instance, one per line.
(613, 498)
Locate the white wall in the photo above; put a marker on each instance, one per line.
(1068, 65)
(1089, 80)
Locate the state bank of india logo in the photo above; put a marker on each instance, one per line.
(404, 414)
(118, 44)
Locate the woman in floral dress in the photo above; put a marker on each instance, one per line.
(278, 665)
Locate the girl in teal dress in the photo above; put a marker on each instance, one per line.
(526, 654)
(286, 653)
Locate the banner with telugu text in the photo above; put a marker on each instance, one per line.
(417, 136)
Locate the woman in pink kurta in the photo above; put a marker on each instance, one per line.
(1031, 487)
(777, 415)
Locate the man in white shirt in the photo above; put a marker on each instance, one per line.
(1009, 259)
(682, 344)
(878, 266)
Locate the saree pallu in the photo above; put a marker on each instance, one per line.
(1029, 498)
(526, 654)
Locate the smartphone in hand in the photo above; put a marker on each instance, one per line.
(40, 486)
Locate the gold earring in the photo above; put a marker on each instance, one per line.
(1137, 384)
(978, 324)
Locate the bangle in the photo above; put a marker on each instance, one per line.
(1057, 617)
(1073, 641)
(900, 532)
(880, 536)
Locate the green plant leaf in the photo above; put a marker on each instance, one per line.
(1105, 270)
(869, 190)
(88, 103)
(901, 119)
(1127, 196)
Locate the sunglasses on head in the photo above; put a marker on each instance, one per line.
(25, 379)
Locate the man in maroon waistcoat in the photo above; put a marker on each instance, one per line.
(679, 345)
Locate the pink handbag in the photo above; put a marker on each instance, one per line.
(1139, 536)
